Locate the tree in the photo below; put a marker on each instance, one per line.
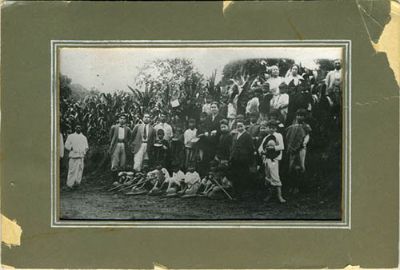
(254, 68)
(65, 86)
(169, 80)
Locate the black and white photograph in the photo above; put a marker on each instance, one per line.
(201, 133)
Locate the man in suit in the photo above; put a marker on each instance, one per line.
(119, 138)
(214, 128)
(143, 139)
(241, 158)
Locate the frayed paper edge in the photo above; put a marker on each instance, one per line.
(10, 232)
(4, 266)
(225, 5)
(389, 41)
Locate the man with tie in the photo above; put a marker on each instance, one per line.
(143, 139)
(241, 158)
(119, 138)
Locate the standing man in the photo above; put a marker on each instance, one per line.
(143, 139)
(333, 82)
(119, 138)
(77, 146)
(215, 129)
(215, 117)
(164, 126)
(241, 158)
(334, 85)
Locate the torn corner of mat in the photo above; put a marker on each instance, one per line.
(4, 266)
(10, 232)
(352, 267)
(382, 23)
(225, 5)
(158, 266)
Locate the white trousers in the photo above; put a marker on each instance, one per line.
(75, 170)
(139, 157)
(272, 172)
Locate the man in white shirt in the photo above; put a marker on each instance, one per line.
(168, 133)
(77, 146)
(333, 82)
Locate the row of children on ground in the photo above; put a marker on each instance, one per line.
(186, 185)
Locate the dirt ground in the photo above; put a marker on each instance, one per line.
(93, 201)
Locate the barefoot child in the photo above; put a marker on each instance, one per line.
(271, 152)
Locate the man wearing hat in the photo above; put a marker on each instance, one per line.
(77, 146)
(119, 138)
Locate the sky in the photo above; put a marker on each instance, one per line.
(111, 69)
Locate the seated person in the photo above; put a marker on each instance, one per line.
(217, 190)
(175, 182)
(191, 183)
(157, 178)
(207, 183)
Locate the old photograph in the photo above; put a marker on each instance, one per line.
(200, 133)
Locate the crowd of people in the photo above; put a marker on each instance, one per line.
(229, 145)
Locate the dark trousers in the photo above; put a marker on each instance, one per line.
(240, 175)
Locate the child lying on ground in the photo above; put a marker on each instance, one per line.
(145, 182)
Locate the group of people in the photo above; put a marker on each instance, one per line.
(161, 182)
(236, 141)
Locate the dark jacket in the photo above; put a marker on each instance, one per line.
(242, 148)
(114, 137)
(224, 146)
(137, 135)
(214, 125)
(214, 140)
